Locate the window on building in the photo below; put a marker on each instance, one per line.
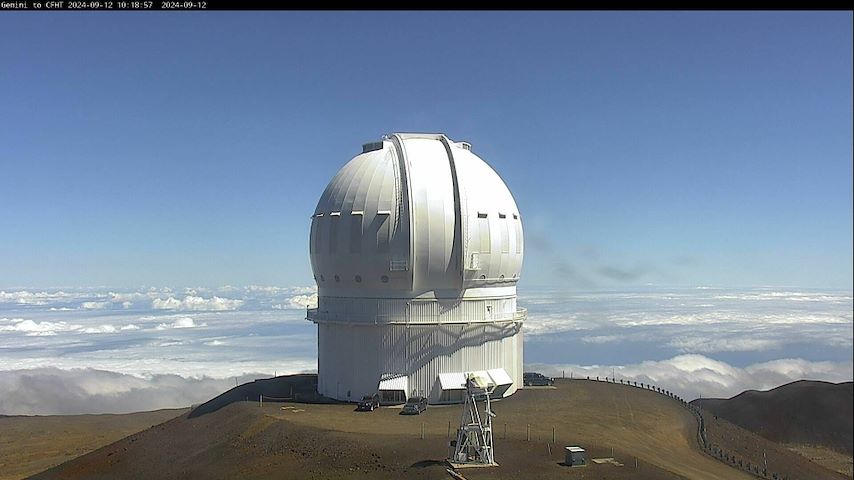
(505, 236)
(356, 232)
(334, 220)
(316, 233)
(483, 230)
(382, 220)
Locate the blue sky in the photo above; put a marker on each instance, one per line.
(642, 148)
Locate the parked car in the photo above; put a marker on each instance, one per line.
(415, 405)
(369, 403)
(536, 379)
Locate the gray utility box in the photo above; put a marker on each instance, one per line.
(575, 456)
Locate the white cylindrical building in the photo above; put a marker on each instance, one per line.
(416, 247)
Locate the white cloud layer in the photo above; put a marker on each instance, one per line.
(693, 376)
(94, 305)
(702, 321)
(48, 328)
(721, 343)
(226, 298)
(768, 336)
(191, 302)
(51, 391)
(32, 328)
(24, 297)
(182, 322)
(298, 301)
(100, 329)
(601, 339)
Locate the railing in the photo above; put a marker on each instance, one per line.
(710, 448)
(313, 315)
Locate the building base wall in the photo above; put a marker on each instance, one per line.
(352, 358)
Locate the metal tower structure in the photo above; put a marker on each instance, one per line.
(473, 446)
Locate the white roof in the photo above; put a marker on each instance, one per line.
(407, 201)
(453, 381)
(394, 382)
(482, 379)
(499, 376)
(575, 449)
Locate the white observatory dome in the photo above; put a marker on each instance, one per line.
(412, 215)
(416, 247)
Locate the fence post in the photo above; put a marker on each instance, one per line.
(260, 400)
(528, 435)
(553, 434)
(449, 429)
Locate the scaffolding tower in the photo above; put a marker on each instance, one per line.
(473, 446)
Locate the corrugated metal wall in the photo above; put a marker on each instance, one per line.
(391, 310)
(351, 358)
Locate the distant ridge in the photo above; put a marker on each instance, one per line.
(804, 412)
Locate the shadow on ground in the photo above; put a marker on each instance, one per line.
(294, 388)
(428, 463)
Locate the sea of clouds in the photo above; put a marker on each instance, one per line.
(100, 350)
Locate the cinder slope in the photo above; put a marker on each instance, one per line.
(803, 412)
(739, 447)
(244, 440)
(30, 444)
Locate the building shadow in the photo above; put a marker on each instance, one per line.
(291, 388)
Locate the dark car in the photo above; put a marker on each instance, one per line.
(414, 406)
(369, 403)
(535, 379)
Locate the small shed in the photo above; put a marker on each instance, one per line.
(575, 456)
(392, 388)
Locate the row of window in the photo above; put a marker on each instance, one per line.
(379, 229)
(357, 278)
(384, 278)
